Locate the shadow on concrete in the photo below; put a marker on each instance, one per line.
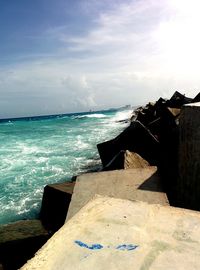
(153, 183)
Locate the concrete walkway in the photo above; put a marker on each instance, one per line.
(116, 234)
(142, 184)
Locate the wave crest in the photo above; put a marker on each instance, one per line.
(94, 115)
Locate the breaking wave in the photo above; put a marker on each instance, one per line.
(95, 115)
(41, 151)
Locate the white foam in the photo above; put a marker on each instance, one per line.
(25, 148)
(122, 115)
(94, 115)
(41, 159)
(80, 144)
(56, 170)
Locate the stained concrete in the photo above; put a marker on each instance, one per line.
(141, 184)
(115, 234)
(189, 161)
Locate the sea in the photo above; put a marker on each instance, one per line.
(36, 151)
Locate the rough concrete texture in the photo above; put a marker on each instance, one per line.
(133, 184)
(21, 230)
(189, 157)
(115, 234)
(133, 160)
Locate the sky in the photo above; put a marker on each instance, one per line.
(59, 56)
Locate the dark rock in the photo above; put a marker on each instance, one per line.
(178, 100)
(135, 138)
(126, 160)
(146, 114)
(165, 129)
(19, 242)
(159, 106)
(166, 117)
(168, 137)
(123, 121)
(197, 98)
(55, 203)
(154, 127)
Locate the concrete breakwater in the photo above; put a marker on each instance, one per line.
(151, 139)
(112, 233)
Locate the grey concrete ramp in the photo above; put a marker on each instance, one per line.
(115, 234)
(142, 184)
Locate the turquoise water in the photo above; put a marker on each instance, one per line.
(34, 153)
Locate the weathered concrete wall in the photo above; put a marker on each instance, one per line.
(115, 234)
(134, 184)
(188, 186)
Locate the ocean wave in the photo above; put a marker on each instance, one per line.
(14, 208)
(38, 153)
(8, 123)
(122, 115)
(94, 115)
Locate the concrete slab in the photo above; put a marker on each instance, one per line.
(142, 184)
(115, 234)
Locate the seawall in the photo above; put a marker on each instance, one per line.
(156, 175)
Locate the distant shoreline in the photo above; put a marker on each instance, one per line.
(46, 117)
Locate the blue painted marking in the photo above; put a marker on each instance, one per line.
(93, 247)
(126, 247)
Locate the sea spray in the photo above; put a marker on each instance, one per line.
(38, 151)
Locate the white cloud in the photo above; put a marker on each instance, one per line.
(126, 25)
(132, 53)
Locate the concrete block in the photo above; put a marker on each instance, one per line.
(115, 234)
(189, 157)
(133, 184)
(178, 100)
(135, 138)
(55, 203)
(126, 160)
(197, 98)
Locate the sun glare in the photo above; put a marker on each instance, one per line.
(179, 39)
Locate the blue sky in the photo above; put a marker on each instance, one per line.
(66, 56)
